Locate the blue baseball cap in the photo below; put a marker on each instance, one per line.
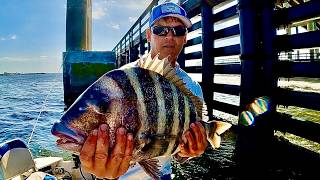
(169, 9)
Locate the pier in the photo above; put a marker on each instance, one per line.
(256, 52)
(264, 56)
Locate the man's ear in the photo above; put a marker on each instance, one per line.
(148, 34)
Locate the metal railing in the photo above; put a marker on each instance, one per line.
(299, 57)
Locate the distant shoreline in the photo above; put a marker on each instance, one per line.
(12, 74)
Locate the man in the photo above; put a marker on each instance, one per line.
(167, 34)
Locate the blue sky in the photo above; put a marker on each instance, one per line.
(32, 32)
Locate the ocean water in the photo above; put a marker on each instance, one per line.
(27, 102)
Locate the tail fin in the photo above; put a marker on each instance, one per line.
(214, 129)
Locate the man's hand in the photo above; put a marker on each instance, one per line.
(94, 155)
(194, 141)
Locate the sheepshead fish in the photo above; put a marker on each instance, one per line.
(149, 101)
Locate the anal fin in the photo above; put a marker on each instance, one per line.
(151, 167)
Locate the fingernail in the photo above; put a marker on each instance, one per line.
(121, 131)
(184, 139)
(130, 137)
(103, 127)
(192, 125)
(95, 132)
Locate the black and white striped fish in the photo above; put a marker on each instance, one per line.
(146, 103)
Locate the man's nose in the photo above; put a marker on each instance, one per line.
(170, 34)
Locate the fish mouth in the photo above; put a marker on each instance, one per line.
(66, 135)
(70, 144)
(63, 139)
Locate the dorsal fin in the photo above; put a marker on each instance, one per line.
(151, 167)
(164, 68)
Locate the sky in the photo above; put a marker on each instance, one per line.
(32, 32)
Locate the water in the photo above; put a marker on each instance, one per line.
(22, 97)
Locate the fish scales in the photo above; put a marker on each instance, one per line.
(130, 95)
(158, 97)
(150, 99)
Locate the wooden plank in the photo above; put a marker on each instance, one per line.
(227, 89)
(193, 69)
(194, 41)
(297, 41)
(302, 12)
(232, 11)
(194, 55)
(232, 68)
(227, 50)
(289, 97)
(218, 69)
(195, 26)
(305, 129)
(229, 31)
(225, 107)
(288, 69)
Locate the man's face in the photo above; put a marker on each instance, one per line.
(168, 45)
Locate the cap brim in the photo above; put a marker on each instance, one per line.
(184, 20)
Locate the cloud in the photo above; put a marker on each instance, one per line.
(104, 5)
(98, 13)
(43, 57)
(15, 59)
(116, 26)
(99, 9)
(133, 19)
(13, 37)
(10, 37)
(133, 4)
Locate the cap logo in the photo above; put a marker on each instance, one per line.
(168, 8)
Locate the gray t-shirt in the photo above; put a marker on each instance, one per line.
(136, 172)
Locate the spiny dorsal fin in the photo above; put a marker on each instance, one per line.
(164, 68)
(151, 167)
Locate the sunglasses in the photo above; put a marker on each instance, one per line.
(163, 31)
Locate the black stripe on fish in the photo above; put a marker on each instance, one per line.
(181, 118)
(130, 117)
(192, 109)
(169, 110)
(150, 99)
(168, 98)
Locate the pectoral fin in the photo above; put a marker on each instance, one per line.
(151, 167)
(214, 129)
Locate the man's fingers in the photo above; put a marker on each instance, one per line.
(191, 142)
(117, 153)
(129, 145)
(184, 152)
(199, 133)
(101, 155)
(124, 166)
(88, 150)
